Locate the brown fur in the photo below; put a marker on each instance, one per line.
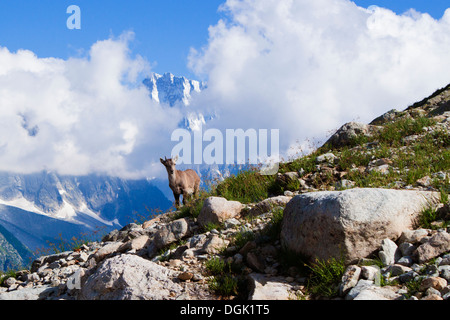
(186, 183)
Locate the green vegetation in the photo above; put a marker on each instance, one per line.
(61, 245)
(325, 277)
(245, 187)
(412, 287)
(243, 237)
(193, 207)
(223, 282)
(274, 228)
(393, 133)
(224, 285)
(427, 217)
(5, 275)
(165, 253)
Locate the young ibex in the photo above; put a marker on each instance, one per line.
(186, 183)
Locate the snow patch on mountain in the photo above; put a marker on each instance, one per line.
(171, 90)
(177, 92)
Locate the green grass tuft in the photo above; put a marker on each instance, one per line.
(325, 277)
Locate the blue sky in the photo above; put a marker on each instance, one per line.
(164, 30)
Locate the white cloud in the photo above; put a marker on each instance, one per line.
(304, 67)
(307, 67)
(81, 115)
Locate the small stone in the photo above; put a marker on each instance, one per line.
(389, 253)
(431, 291)
(437, 245)
(215, 244)
(255, 262)
(10, 282)
(54, 265)
(148, 224)
(424, 182)
(136, 244)
(188, 254)
(218, 210)
(289, 279)
(383, 169)
(328, 157)
(269, 251)
(355, 291)
(231, 223)
(112, 236)
(433, 282)
(371, 273)
(431, 271)
(397, 269)
(185, 276)
(444, 272)
(413, 236)
(378, 293)
(432, 297)
(106, 250)
(408, 276)
(406, 248)
(32, 277)
(55, 282)
(238, 258)
(197, 277)
(345, 184)
(406, 261)
(71, 263)
(175, 263)
(215, 231)
(197, 241)
(250, 245)
(380, 162)
(349, 279)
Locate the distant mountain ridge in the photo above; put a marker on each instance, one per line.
(38, 208)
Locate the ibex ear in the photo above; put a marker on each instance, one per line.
(162, 161)
(175, 159)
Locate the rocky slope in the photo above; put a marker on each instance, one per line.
(365, 217)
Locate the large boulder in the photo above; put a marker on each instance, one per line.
(172, 232)
(350, 131)
(350, 224)
(130, 277)
(217, 210)
(168, 234)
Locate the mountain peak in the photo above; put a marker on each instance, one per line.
(170, 89)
